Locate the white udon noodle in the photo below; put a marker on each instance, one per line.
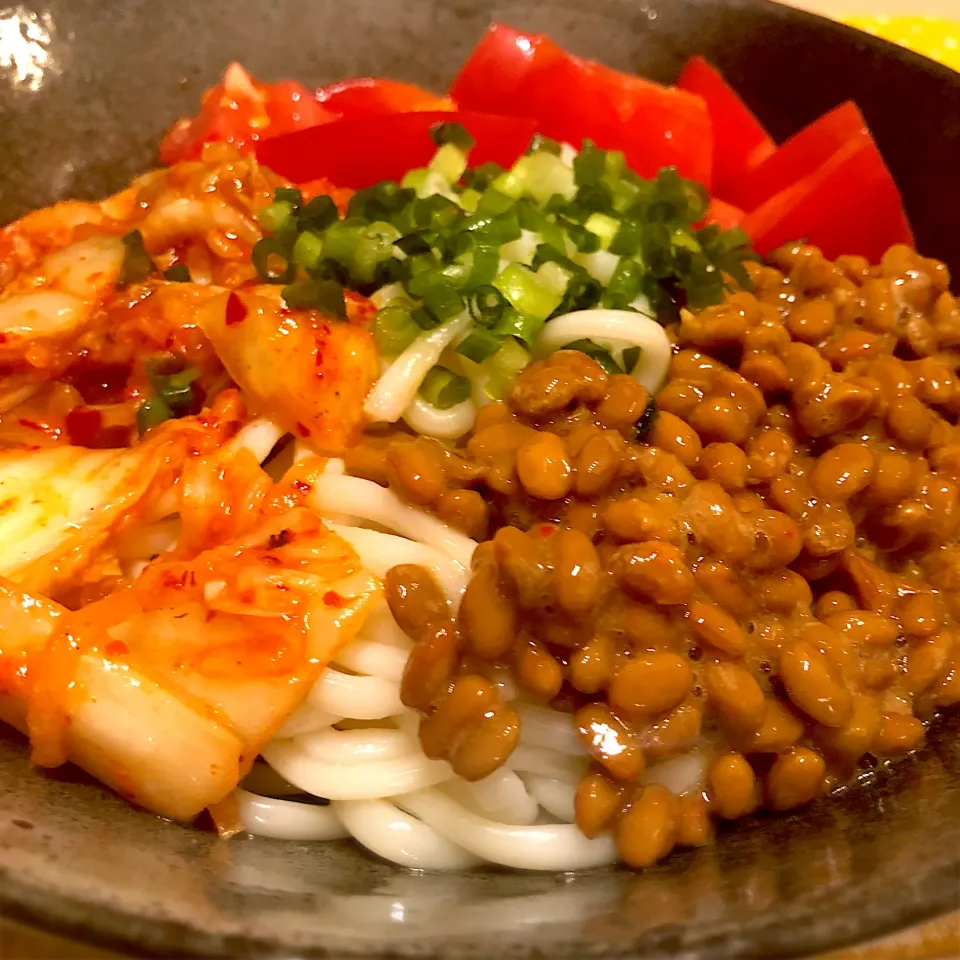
(354, 744)
(395, 394)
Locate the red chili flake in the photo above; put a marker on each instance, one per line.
(83, 426)
(116, 648)
(547, 531)
(3, 338)
(302, 430)
(209, 616)
(236, 310)
(277, 540)
(247, 596)
(99, 382)
(333, 599)
(31, 424)
(302, 486)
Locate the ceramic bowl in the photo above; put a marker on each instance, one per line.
(86, 89)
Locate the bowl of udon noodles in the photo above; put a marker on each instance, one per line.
(476, 479)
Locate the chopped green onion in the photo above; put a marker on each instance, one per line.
(374, 247)
(323, 294)
(424, 318)
(443, 301)
(137, 263)
(479, 178)
(317, 214)
(627, 240)
(450, 162)
(523, 326)
(606, 228)
(442, 388)
(308, 250)
(493, 203)
(624, 286)
(645, 421)
(630, 358)
(554, 277)
(537, 175)
(503, 367)
(487, 305)
(589, 165)
(271, 261)
(586, 241)
(151, 413)
(436, 212)
(276, 216)
(452, 133)
(597, 352)
(394, 329)
(289, 195)
(172, 387)
(486, 263)
(542, 144)
(178, 273)
(479, 344)
(176, 392)
(521, 288)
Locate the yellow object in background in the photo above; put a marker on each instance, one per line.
(934, 37)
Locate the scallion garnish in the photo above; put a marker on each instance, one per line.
(514, 247)
(645, 421)
(453, 133)
(151, 413)
(272, 261)
(137, 263)
(442, 388)
(597, 352)
(178, 273)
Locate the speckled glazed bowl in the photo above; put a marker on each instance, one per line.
(86, 88)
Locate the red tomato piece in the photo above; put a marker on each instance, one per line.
(724, 215)
(740, 142)
(803, 154)
(370, 96)
(359, 153)
(500, 66)
(242, 111)
(851, 205)
(527, 75)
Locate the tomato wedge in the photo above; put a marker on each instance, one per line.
(241, 111)
(528, 75)
(803, 154)
(359, 153)
(724, 215)
(371, 96)
(740, 142)
(851, 205)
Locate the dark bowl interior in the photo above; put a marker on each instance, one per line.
(93, 85)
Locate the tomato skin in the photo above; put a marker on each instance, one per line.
(724, 215)
(242, 111)
(740, 141)
(373, 96)
(850, 205)
(528, 75)
(801, 155)
(350, 153)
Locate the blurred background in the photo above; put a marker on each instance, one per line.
(930, 27)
